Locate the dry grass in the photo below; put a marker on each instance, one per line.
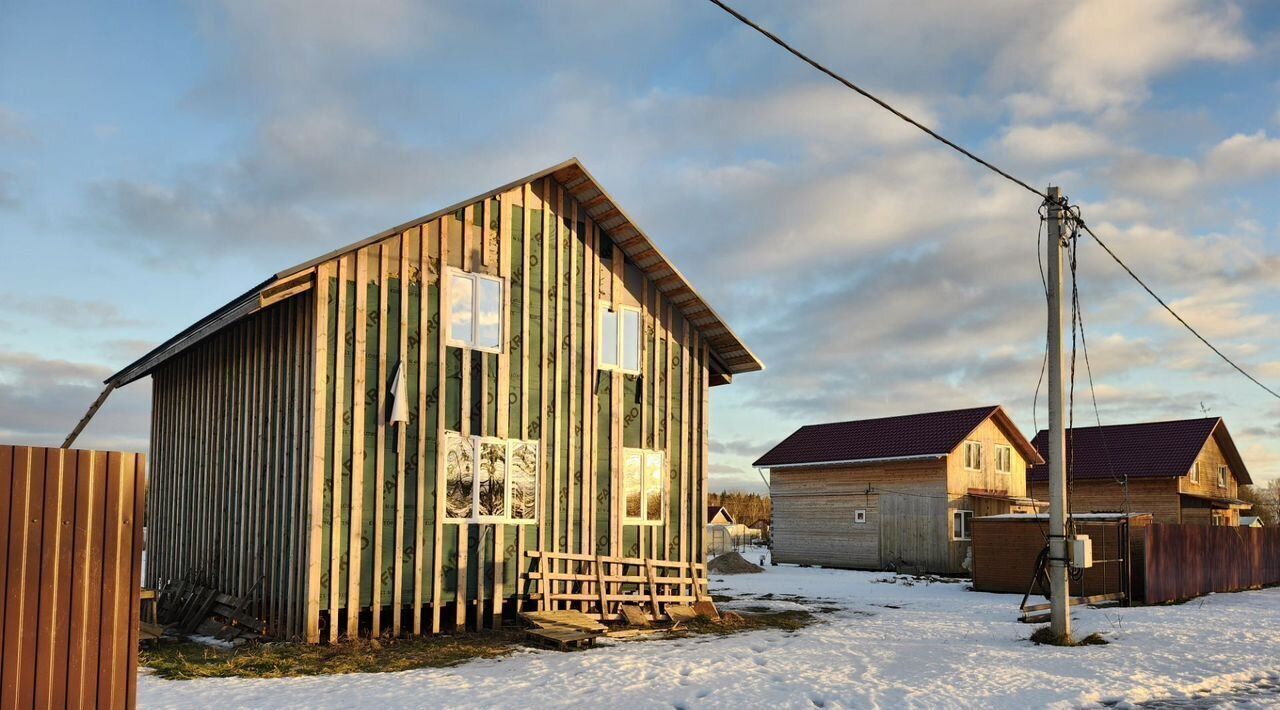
(184, 661)
(1045, 636)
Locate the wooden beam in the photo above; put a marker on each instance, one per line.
(84, 421)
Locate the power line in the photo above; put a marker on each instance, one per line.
(883, 104)
(954, 146)
(1172, 312)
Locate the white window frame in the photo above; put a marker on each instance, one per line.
(1222, 476)
(860, 516)
(966, 524)
(1194, 473)
(619, 309)
(1004, 454)
(978, 446)
(475, 278)
(476, 441)
(644, 499)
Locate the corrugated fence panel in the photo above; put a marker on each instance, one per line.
(1185, 561)
(71, 548)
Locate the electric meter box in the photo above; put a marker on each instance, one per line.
(1081, 552)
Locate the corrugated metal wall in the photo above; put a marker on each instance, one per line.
(71, 537)
(376, 536)
(230, 460)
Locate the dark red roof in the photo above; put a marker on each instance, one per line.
(928, 434)
(1147, 450)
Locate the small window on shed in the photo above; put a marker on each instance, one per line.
(960, 520)
(1004, 459)
(1194, 473)
(973, 455)
(1222, 476)
(860, 516)
(620, 339)
(642, 486)
(475, 311)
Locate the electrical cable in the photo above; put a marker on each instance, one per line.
(954, 146)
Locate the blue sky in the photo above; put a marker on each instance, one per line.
(157, 159)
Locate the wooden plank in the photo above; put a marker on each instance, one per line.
(437, 568)
(115, 606)
(339, 375)
(545, 500)
(424, 355)
(380, 470)
(315, 478)
(653, 586)
(84, 421)
(358, 417)
(402, 349)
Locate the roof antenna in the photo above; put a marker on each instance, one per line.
(1204, 410)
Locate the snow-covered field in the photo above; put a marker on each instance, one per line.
(880, 642)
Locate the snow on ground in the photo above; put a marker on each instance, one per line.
(880, 642)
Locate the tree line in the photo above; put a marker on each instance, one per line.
(746, 508)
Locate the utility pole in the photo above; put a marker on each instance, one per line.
(1060, 607)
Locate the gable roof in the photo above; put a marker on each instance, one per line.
(1144, 450)
(927, 435)
(729, 353)
(713, 510)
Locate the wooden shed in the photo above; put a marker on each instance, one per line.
(385, 437)
(895, 492)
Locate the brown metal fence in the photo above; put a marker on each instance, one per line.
(71, 553)
(1184, 561)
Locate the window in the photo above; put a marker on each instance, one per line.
(1194, 473)
(475, 311)
(1004, 459)
(860, 516)
(642, 486)
(490, 480)
(973, 455)
(620, 339)
(960, 524)
(1222, 476)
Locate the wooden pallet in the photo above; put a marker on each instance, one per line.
(564, 629)
(563, 639)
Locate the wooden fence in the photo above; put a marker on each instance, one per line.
(71, 553)
(1185, 561)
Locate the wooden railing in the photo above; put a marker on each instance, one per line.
(598, 585)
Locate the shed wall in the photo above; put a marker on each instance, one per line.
(230, 453)
(905, 504)
(377, 541)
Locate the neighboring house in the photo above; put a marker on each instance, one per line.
(1186, 471)
(723, 532)
(1250, 521)
(384, 436)
(762, 527)
(718, 515)
(898, 492)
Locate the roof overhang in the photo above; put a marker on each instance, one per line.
(856, 462)
(1217, 502)
(996, 495)
(729, 355)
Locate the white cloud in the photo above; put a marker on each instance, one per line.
(1099, 54)
(1241, 158)
(1054, 143)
